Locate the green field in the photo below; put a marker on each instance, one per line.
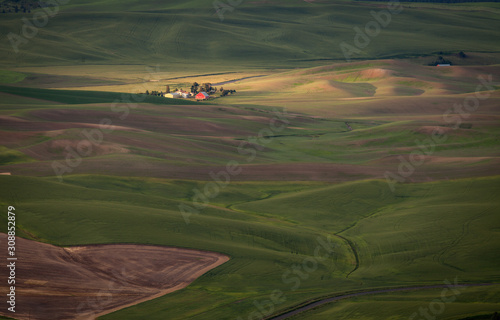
(86, 159)
(262, 249)
(10, 76)
(79, 97)
(421, 234)
(478, 303)
(182, 35)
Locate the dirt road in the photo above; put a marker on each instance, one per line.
(364, 293)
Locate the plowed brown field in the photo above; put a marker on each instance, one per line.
(87, 281)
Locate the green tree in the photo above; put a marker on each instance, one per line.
(196, 86)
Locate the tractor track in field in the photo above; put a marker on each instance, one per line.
(351, 244)
(235, 80)
(465, 230)
(200, 75)
(314, 304)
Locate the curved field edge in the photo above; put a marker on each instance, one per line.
(266, 247)
(10, 76)
(79, 282)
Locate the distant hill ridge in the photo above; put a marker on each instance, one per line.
(291, 34)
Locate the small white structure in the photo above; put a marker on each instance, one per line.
(185, 95)
(172, 95)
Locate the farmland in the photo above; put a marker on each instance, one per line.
(123, 274)
(250, 36)
(307, 182)
(320, 178)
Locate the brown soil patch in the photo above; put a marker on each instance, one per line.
(19, 124)
(131, 165)
(15, 139)
(54, 133)
(88, 281)
(55, 149)
(153, 123)
(375, 73)
(365, 75)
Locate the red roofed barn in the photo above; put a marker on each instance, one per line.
(202, 96)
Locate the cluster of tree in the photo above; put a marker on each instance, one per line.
(22, 6)
(207, 87)
(440, 60)
(154, 93)
(226, 92)
(439, 1)
(168, 89)
(204, 87)
(194, 88)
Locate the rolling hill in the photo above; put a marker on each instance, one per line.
(190, 34)
(319, 178)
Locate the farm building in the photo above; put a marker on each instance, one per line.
(202, 96)
(172, 95)
(183, 94)
(443, 64)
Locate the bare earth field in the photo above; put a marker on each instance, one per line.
(87, 281)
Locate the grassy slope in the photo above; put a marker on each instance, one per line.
(401, 237)
(10, 156)
(469, 301)
(208, 134)
(150, 215)
(190, 35)
(101, 209)
(269, 226)
(10, 76)
(88, 97)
